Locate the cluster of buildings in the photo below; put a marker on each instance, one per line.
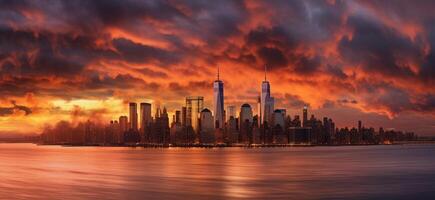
(194, 124)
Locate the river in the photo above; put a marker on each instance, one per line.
(29, 171)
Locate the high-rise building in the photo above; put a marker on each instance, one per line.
(230, 112)
(207, 126)
(245, 113)
(267, 102)
(145, 115)
(279, 118)
(305, 116)
(259, 111)
(218, 102)
(177, 117)
(245, 123)
(183, 116)
(123, 123)
(133, 116)
(194, 105)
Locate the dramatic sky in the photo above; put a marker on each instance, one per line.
(349, 60)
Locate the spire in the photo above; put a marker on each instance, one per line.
(218, 72)
(265, 70)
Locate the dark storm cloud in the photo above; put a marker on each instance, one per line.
(395, 99)
(336, 72)
(273, 57)
(138, 53)
(28, 53)
(152, 73)
(283, 53)
(291, 101)
(121, 81)
(346, 101)
(428, 67)
(378, 48)
(18, 86)
(5, 111)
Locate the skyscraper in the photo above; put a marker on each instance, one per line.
(245, 114)
(218, 102)
(177, 117)
(194, 106)
(278, 118)
(145, 115)
(183, 116)
(267, 102)
(305, 116)
(123, 123)
(245, 123)
(230, 112)
(133, 116)
(207, 126)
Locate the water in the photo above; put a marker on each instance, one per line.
(29, 171)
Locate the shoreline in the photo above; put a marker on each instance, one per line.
(227, 145)
(138, 145)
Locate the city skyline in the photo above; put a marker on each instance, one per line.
(196, 125)
(350, 60)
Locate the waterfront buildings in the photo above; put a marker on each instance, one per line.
(194, 125)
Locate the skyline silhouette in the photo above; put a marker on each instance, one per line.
(195, 125)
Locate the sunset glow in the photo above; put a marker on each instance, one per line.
(350, 60)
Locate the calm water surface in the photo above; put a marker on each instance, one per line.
(29, 171)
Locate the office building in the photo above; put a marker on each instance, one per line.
(305, 116)
(218, 102)
(230, 112)
(133, 116)
(194, 105)
(145, 115)
(207, 127)
(266, 102)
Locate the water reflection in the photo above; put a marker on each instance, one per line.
(374, 172)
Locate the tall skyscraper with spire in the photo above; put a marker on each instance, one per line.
(218, 102)
(266, 101)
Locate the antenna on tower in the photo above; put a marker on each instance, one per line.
(218, 72)
(265, 70)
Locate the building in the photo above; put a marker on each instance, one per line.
(177, 119)
(259, 111)
(218, 102)
(279, 118)
(266, 102)
(207, 129)
(230, 112)
(123, 124)
(305, 116)
(133, 116)
(246, 120)
(245, 114)
(145, 115)
(194, 105)
(183, 116)
(299, 135)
